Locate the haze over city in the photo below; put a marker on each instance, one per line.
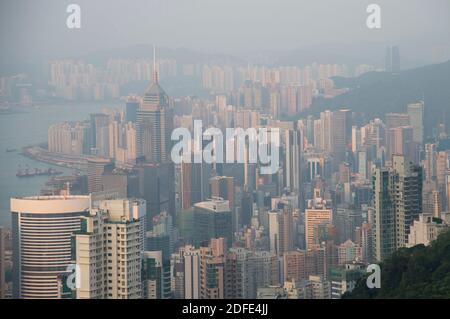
(185, 150)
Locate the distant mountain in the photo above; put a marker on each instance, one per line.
(378, 93)
(417, 272)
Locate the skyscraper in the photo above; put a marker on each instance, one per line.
(385, 215)
(206, 220)
(131, 108)
(194, 183)
(293, 146)
(100, 134)
(95, 169)
(156, 186)
(281, 230)
(313, 218)
(416, 114)
(398, 201)
(341, 133)
(108, 250)
(41, 228)
(154, 123)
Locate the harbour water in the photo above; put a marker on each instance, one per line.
(30, 127)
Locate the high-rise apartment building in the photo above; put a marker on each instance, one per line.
(109, 249)
(398, 201)
(313, 218)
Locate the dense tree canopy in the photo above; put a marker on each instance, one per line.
(417, 272)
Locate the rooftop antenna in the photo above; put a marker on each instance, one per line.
(155, 72)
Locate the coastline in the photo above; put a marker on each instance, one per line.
(38, 153)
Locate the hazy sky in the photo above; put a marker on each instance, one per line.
(38, 27)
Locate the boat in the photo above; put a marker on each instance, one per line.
(10, 150)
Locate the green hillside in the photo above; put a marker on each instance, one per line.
(417, 272)
(378, 93)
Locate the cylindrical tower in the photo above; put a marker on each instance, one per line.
(42, 227)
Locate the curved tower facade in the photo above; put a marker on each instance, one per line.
(42, 227)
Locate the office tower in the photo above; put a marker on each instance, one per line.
(425, 230)
(292, 158)
(2, 263)
(159, 246)
(281, 230)
(362, 165)
(357, 140)
(341, 133)
(108, 250)
(156, 275)
(394, 120)
(124, 147)
(416, 120)
(156, 186)
(313, 218)
(324, 140)
(206, 220)
(131, 108)
(41, 229)
(194, 183)
(95, 169)
(117, 181)
(429, 163)
(398, 201)
(399, 141)
(246, 212)
(154, 123)
(442, 167)
(374, 138)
